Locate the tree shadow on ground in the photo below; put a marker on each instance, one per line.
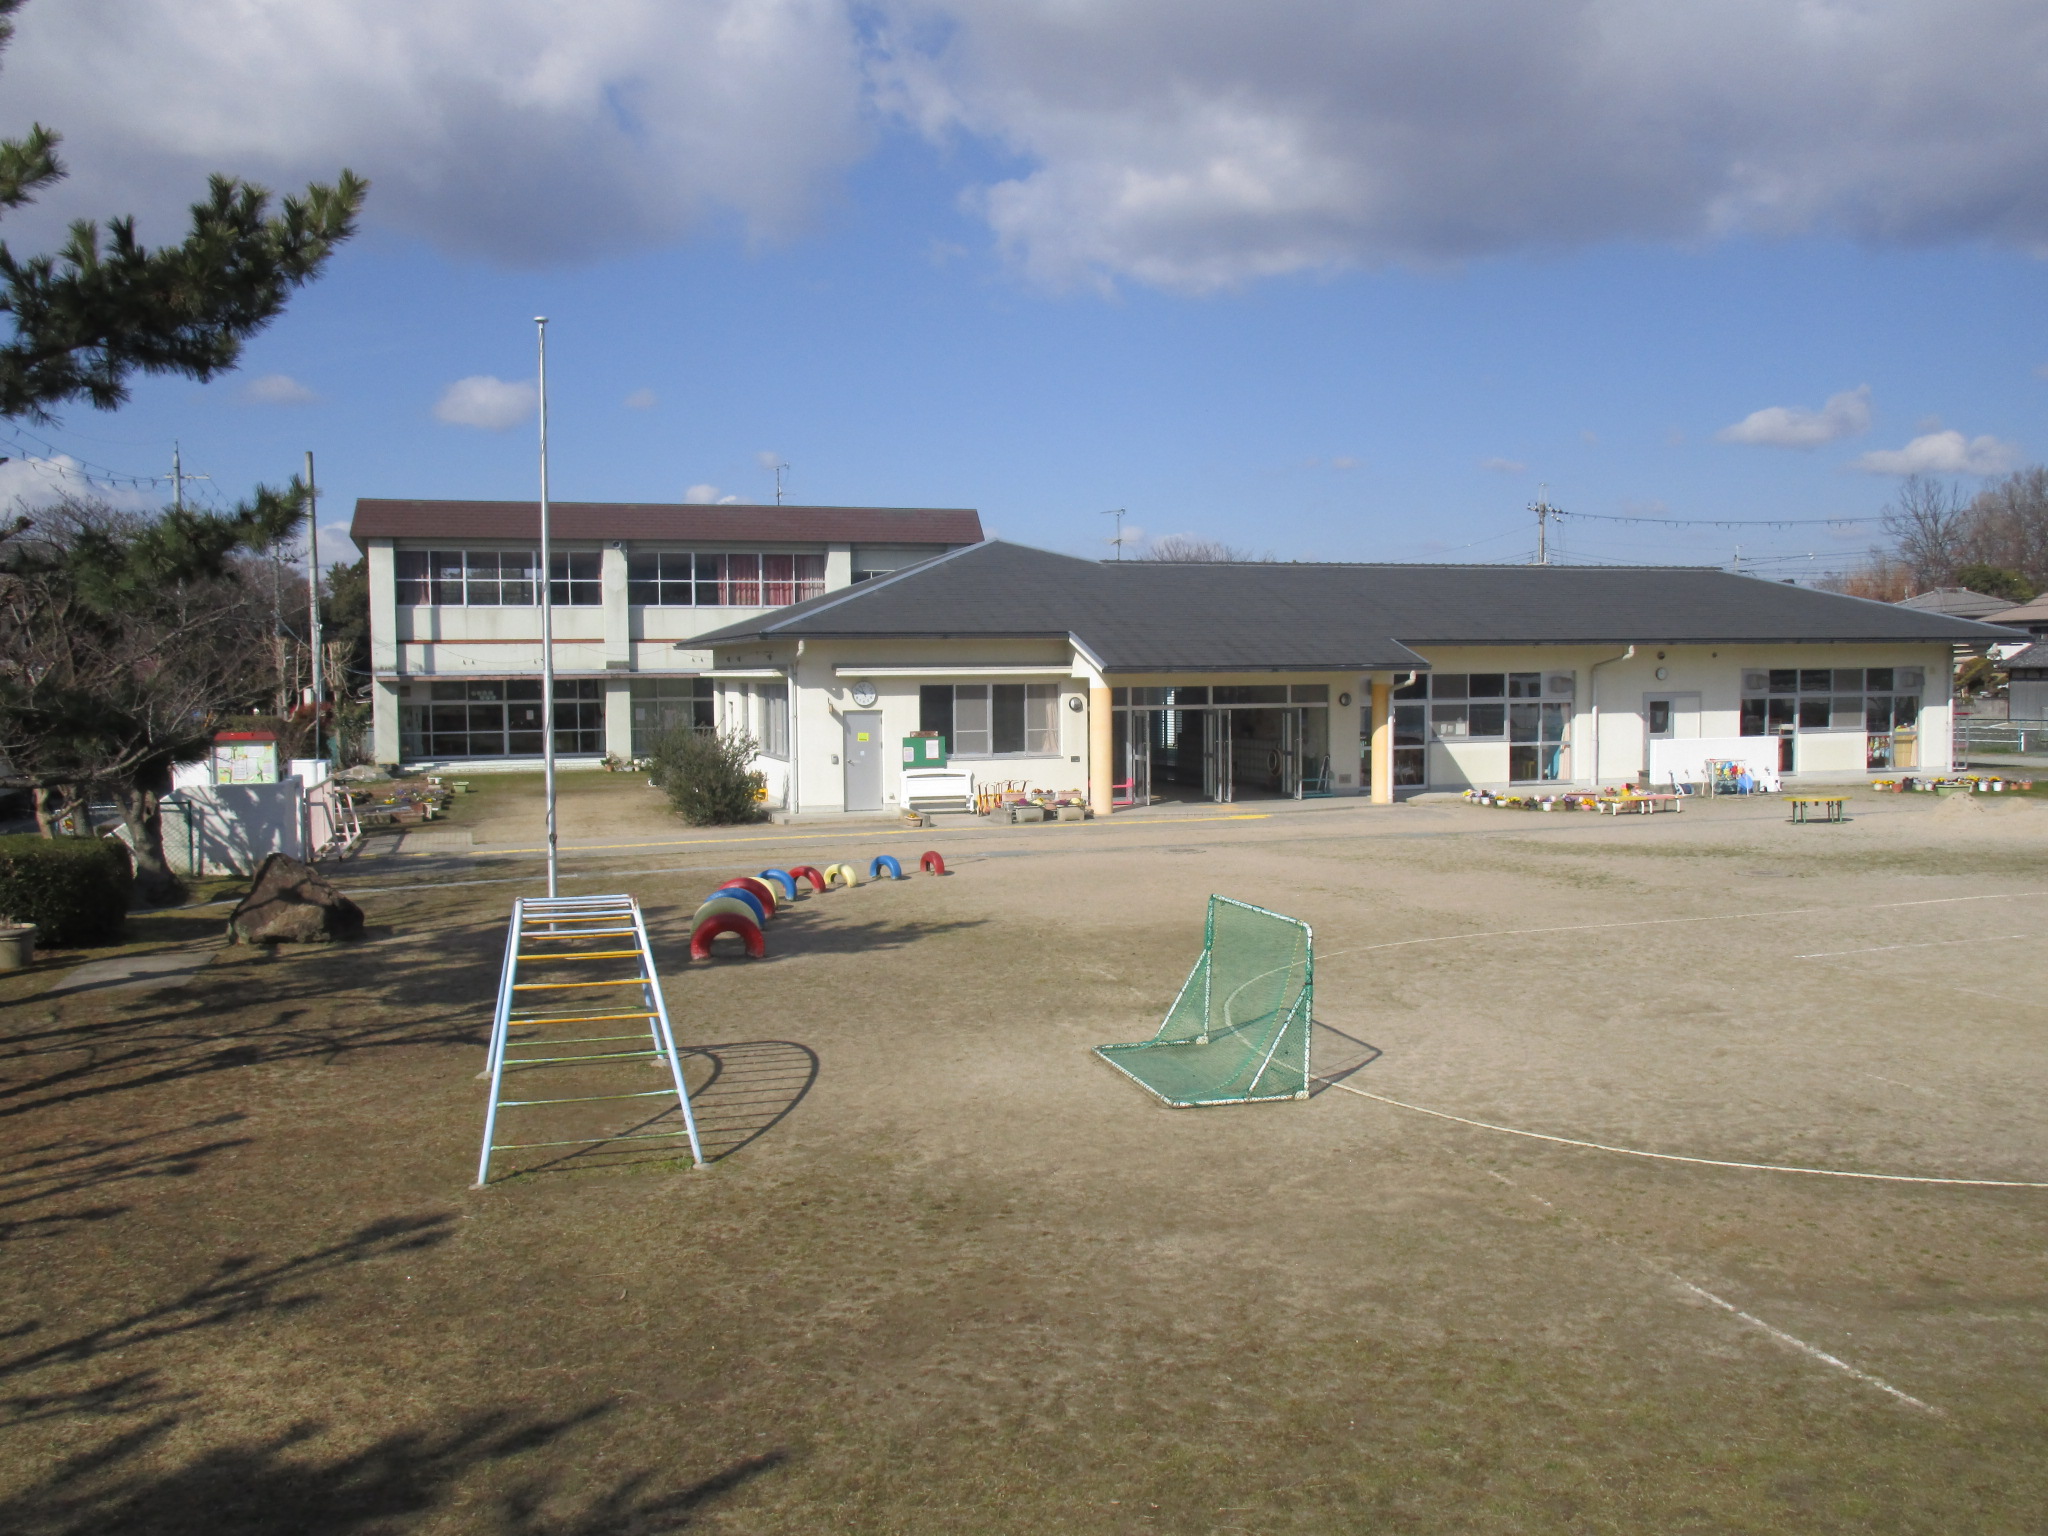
(250, 1009)
(240, 1287)
(279, 1485)
(57, 1171)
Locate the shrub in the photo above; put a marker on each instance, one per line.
(707, 776)
(74, 889)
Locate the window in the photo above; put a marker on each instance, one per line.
(662, 704)
(576, 579)
(1530, 711)
(673, 579)
(775, 720)
(1536, 736)
(993, 719)
(475, 578)
(1876, 700)
(501, 718)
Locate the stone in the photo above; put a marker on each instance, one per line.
(292, 903)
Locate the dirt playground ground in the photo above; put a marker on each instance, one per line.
(951, 1273)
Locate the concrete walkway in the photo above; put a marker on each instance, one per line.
(154, 970)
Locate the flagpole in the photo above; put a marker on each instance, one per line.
(547, 603)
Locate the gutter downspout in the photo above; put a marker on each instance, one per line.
(1593, 687)
(795, 735)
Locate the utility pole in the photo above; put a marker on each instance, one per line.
(1544, 513)
(1118, 541)
(313, 592)
(547, 603)
(179, 477)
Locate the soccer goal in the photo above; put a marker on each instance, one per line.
(1239, 1030)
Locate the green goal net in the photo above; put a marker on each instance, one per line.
(1239, 1029)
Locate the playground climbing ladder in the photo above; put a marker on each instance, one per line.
(547, 997)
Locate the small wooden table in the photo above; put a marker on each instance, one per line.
(1833, 807)
(1643, 805)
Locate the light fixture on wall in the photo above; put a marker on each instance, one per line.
(1662, 673)
(1343, 700)
(1076, 703)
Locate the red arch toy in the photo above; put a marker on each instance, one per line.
(759, 887)
(807, 872)
(726, 922)
(931, 864)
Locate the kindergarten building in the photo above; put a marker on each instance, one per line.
(1134, 682)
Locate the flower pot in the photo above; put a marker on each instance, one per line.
(17, 945)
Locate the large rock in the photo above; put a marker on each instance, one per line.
(292, 903)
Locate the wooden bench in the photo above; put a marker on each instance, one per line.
(1833, 807)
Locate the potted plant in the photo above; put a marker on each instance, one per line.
(17, 943)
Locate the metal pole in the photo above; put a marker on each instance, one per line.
(313, 593)
(547, 603)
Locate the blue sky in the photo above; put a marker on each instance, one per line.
(920, 315)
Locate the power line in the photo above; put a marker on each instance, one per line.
(1716, 522)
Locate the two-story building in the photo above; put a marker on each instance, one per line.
(455, 618)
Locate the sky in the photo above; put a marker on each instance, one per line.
(1321, 279)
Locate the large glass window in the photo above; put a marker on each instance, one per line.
(681, 579)
(1530, 711)
(474, 578)
(661, 704)
(500, 717)
(1874, 700)
(993, 719)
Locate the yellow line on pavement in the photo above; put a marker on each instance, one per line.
(828, 837)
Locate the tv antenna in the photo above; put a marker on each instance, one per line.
(1119, 514)
(778, 466)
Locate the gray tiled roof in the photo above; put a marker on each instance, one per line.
(1141, 616)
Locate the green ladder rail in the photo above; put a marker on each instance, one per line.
(542, 957)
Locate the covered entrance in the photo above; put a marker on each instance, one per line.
(1221, 744)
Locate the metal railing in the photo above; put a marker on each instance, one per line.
(2011, 738)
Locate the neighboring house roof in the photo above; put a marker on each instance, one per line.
(1957, 602)
(687, 523)
(2035, 612)
(2034, 656)
(1155, 616)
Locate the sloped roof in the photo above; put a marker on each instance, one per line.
(2034, 612)
(1146, 616)
(1957, 602)
(683, 522)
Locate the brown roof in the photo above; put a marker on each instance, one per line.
(731, 523)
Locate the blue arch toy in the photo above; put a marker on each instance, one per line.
(741, 893)
(781, 877)
(895, 869)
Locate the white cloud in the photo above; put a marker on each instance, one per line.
(641, 400)
(480, 400)
(277, 389)
(702, 495)
(727, 501)
(1198, 144)
(1505, 466)
(1189, 144)
(27, 482)
(523, 130)
(1794, 426)
(1943, 453)
(1344, 461)
(768, 459)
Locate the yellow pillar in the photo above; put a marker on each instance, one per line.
(1382, 741)
(1101, 751)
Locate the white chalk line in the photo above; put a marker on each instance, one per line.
(1728, 1306)
(1675, 1157)
(1660, 922)
(1878, 949)
(1807, 1349)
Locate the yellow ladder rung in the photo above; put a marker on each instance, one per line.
(556, 986)
(596, 954)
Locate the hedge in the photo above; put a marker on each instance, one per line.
(74, 889)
